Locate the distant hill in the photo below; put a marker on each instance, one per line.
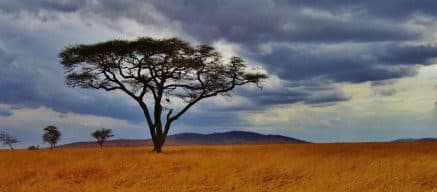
(415, 140)
(226, 138)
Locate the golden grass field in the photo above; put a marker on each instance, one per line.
(288, 167)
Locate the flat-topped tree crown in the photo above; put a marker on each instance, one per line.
(161, 69)
(102, 135)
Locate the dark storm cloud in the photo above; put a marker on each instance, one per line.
(256, 21)
(380, 26)
(278, 98)
(28, 83)
(391, 9)
(201, 120)
(60, 101)
(37, 5)
(250, 22)
(329, 97)
(396, 54)
(64, 6)
(310, 98)
(310, 92)
(342, 63)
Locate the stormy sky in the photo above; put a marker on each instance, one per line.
(340, 71)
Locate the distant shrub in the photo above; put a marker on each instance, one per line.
(33, 147)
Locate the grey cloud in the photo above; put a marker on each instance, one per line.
(327, 97)
(371, 73)
(391, 9)
(37, 5)
(289, 21)
(384, 91)
(269, 99)
(383, 88)
(23, 95)
(5, 112)
(403, 54)
(63, 6)
(251, 22)
(201, 120)
(382, 83)
(310, 92)
(369, 62)
(435, 109)
(27, 81)
(261, 21)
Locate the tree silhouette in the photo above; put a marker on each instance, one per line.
(8, 139)
(51, 135)
(101, 135)
(166, 77)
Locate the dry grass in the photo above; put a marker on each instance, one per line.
(305, 167)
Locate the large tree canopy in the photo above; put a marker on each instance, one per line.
(156, 73)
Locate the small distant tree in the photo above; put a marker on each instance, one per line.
(8, 139)
(102, 135)
(51, 135)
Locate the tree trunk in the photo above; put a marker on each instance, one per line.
(166, 129)
(156, 133)
(12, 148)
(160, 136)
(100, 144)
(158, 142)
(155, 142)
(157, 148)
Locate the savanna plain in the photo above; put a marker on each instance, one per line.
(283, 167)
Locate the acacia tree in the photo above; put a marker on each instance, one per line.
(101, 135)
(8, 139)
(51, 135)
(166, 77)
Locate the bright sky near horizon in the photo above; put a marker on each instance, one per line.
(340, 71)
